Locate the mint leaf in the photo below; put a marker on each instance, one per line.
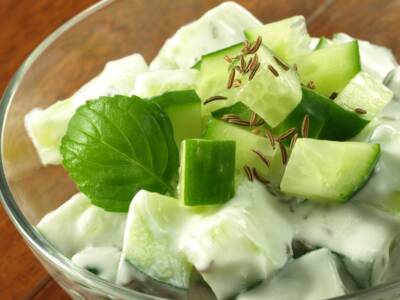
(116, 146)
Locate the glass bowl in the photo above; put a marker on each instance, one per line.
(69, 57)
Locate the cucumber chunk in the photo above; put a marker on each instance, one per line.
(287, 38)
(279, 85)
(156, 83)
(207, 174)
(363, 236)
(184, 111)
(328, 171)
(218, 28)
(366, 93)
(331, 69)
(316, 275)
(246, 142)
(241, 236)
(151, 239)
(78, 224)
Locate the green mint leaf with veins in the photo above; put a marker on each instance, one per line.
(116, 146)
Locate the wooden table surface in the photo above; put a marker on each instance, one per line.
(25, 23)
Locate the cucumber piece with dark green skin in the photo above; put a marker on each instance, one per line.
(184, 111)
(246, 142)
(327, 120)
(331, 68)
(207, 172)
(328, 171)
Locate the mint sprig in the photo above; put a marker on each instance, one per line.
(116, 146)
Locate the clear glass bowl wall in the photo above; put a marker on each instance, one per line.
(68, 58)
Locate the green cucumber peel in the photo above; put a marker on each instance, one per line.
(116, 146)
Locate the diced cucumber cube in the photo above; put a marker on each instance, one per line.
(151, 84)
(328, 171)
(331, 68)
(306, 278)
(246, 142)
(287, 38)
(239, 245)
(366, 93)
(78, 224)
(207, 174)
(184, 111)
(220, 27)
(151, 239)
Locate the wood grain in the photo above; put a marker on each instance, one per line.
(24, 23)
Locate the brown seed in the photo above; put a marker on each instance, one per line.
(273, 70)
(253, 118)
(248, 172)
(259, 177)
(254, 71)
(281, 64)
(286, 134)
(283, 153)
(305, 126)
(239, 122)
(228, 59)
(360, 111)
(293, 141)
(271, 138)
(242, 63)
(333, 96)
(236, 83)
(311, 85)
(231, 78)
(228, 117)
(262, 157)
(254, 48)
(214, 98)
(247, 69)
(254, 62)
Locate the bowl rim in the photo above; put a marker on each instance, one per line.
(31, 235)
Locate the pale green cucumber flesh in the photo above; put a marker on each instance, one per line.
(246, 142)
(366, 93)
(287, 38)
(184, 111)
(331, 68)
(328, 171)
(207, 172)
(150, 245)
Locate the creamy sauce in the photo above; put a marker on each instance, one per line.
(316, 275)
(218, 28)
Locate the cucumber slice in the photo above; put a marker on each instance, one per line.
(279, 85)
(246, 142)
(184, 111)
(287, 38)
(306, 278)
(327, 120)
(327, 171)
(239, 245)
(218, 28)
(78, 224)
(366, 93)
(151, 239)
(331, 69)
(213, 78)
(156, 83)
(207, 172)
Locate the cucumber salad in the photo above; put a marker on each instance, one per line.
(246, 161)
